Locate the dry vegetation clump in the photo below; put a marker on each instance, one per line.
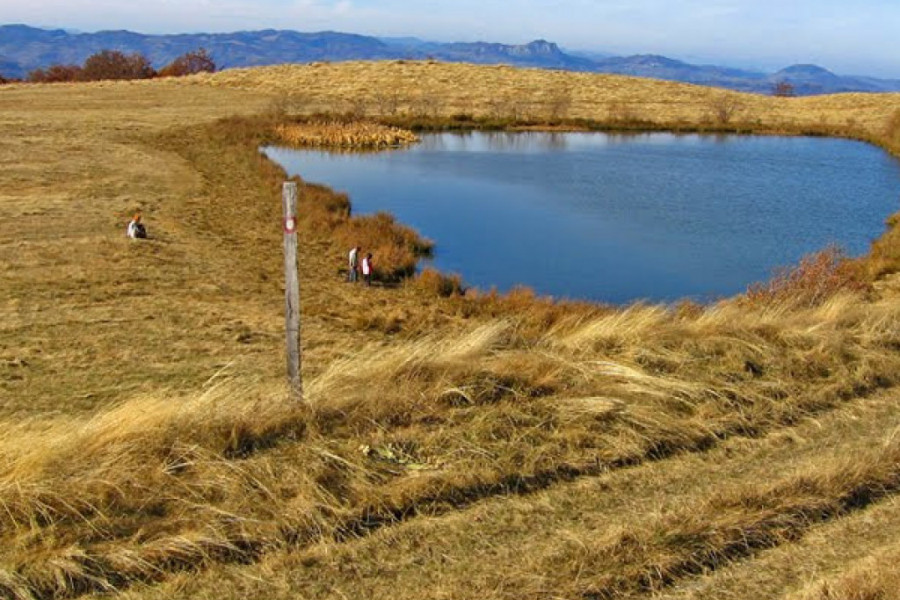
(815, 279)
(396, 248)
(343, 135)
(435, 282)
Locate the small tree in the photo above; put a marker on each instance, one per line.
(783, 89)
(198, 61)
(55, 74)
(724, 107)
(113, 64)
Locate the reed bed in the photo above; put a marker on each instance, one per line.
(355, 135)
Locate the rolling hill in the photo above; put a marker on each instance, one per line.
(24, 48)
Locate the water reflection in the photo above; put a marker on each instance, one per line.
(496, 141)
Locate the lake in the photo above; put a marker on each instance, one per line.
(617, 218)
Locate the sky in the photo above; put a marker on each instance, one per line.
(847, 37)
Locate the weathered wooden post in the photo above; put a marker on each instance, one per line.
(292, 289)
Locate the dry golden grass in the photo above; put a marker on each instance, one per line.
(427, 88)
(873, 578)
(343, 135)
(564, 541)
(600, 451)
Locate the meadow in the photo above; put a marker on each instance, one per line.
(449, 445)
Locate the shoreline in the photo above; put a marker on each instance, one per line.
(454, 126)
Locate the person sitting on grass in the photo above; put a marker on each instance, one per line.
(136, 229)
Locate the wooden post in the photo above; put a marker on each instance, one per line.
(292, 290)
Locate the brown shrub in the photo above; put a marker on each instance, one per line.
(113, 64)
(724, 107)
(55, 74)
(396, 248)
(435, 282)
(816, 278)
(198, 61)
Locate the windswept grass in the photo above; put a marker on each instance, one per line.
(874, 578)
(420, 427)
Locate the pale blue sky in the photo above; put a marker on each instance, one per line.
(848, 37)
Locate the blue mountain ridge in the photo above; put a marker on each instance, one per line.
(24, 48)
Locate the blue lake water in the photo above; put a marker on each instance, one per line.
(617, 218)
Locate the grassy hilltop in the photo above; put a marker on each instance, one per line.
(452, 446)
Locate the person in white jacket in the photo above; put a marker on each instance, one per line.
(353, 273)
(367, 268)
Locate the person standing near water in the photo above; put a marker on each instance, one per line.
(367, 268)
(353, 274)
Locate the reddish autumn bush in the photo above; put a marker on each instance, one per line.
(198, 61)
(55, 74)
(816, 278)
(112, 64)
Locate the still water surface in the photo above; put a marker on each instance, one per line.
(617, 218)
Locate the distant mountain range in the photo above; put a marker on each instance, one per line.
(24, 48)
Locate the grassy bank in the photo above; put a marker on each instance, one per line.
(453, 446)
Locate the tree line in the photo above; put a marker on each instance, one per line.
(114, 64)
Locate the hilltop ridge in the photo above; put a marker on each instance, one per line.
(24, 48)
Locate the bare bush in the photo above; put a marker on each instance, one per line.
(55, 74)
(198, 61)
(783, 89)
(723, 108)
(113, 64)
